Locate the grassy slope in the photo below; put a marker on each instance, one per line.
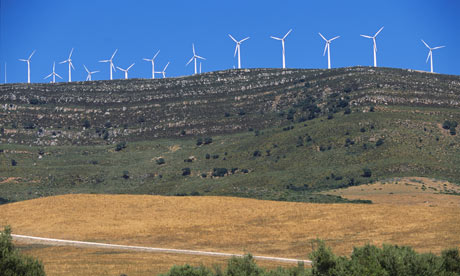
(414, 145)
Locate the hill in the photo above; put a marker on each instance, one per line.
(263, 133)
(225, 224)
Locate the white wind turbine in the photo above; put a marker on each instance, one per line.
(153, 63)
(375, 44)
(195, 56)
(282, 43)
(328, 49)
(111, 63)
(28, 65)
(69, 60)
(54, 74)
(238, 48)
(430, 54)
(88, 78)
(164, 71)
(126, 70)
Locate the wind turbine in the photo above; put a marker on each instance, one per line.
(430, 54)
(28, 65)
(375, 45)
(282, 43)
(126, 70)
(238, 48)
(164, 71)
(328, 48)
(153, 63)
(88, 78)
(111, 63)
(70, 65)
(54, 74)
(195, 56)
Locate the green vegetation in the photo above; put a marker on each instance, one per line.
(367, 260)
(12, 262)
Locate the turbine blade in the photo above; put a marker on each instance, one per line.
(31, 55)
(322, 36)
(366, 36)
(71, 65)
(287, 34)
(200, 57)
(193, 48)
(439, 47)
(58, 75)
(23, 59)
(87, 78)
(63, 61)
(71, 51)
(190, 61)
(277, 38)
(325, 48)
(334, 38)
(377, 33)
(48, 76)
(120, 68)
(94, 72)
(426, 44)
(428, 57)
(236, 49)
(130, 67)
(156, 55)
(244, 39)
(113, 66)
(166, 66)
(232, 38)
(146, 59)
(104, 60)
(86, 68)
(114, 54)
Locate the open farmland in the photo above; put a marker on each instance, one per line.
(233, 225)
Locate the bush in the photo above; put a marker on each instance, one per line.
(219, 172)
(12, 262)
(186, 171)
(125, 174)
(379, 142)
(367, 172)
(160, 161)
(256, 153)
(207, 140)
(215, 156)
(29, 125)
(371, 109)
(86, 124)
(243, 266)
(362, 129)
(13, 162)
(120, 146)
(199, 141)
(347, 111)
(207, 156)
(108, 124)
(242, 112)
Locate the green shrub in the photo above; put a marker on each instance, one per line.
(245, 266)
(29, 125)
(379, 142)
(199, 141)
(219, 172)
(86, 124)
(186, 171)
(120, 146)
(207, 156)
(13, 162)
(367, 172)
(125, 175)
(160, 161)
(12, 262)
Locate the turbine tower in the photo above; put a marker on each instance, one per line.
(88, 78)
(238, 48)
(282, 43)
(28, 65)
(111, 63)
(54, 74)
(327, 48)
(195, 56)
(375, 44)
(430, 54)
(153, 63)
(126, 70)
(164, 71)
(69, 60)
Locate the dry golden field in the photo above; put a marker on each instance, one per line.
(220, 224)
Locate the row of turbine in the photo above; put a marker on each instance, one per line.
(195, 57)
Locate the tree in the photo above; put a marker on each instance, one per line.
(12, 262)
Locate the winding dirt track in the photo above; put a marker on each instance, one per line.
(49, 241)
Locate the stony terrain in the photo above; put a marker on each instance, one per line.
(212, 103)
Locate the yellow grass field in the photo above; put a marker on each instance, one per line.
(221, 224)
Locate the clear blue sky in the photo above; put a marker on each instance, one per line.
(139, 28)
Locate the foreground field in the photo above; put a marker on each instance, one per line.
(234, 225)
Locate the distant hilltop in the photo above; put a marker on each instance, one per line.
(228, 101)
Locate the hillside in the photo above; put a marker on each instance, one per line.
(262, 133)
(222, 224)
